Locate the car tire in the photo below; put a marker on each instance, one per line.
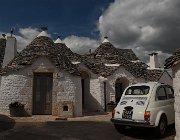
(119, 128)
(162, 126)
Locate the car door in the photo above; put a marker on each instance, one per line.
(170, 95)
(163, 102)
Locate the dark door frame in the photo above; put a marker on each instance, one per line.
(42, 93)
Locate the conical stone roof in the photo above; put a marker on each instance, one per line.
(41, 46)
(174, 59)
(64, 50)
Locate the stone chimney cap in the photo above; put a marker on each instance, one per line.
(153, 53)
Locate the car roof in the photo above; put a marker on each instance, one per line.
(151, 84)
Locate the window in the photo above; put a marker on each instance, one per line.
(65, 108)
(169, 92)
(137, 90)
(161, 94)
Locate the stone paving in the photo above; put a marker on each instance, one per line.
(89, 127)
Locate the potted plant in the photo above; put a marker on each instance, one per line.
(110, 106)
(16, 109)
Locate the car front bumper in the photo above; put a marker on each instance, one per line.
(136, 123)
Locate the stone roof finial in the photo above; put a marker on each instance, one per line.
(12, 30)
(44, 28)
(105, 39)
(3, 35)
(58, 40)
(44, 31)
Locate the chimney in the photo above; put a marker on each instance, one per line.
(10, 50)
(153, 60)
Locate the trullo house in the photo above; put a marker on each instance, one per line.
(48, 78)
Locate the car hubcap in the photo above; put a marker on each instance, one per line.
(162, 126)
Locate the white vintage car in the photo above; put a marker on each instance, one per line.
(145, 105)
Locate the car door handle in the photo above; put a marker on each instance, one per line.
(171, 102)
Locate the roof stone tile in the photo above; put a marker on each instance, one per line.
(174, 59)
(41, 46)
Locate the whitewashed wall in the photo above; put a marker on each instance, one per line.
(96, 98)
(17, 86)
(111, 80)
(176, 86)
(165, 78)
(93, 96)
(67, 88)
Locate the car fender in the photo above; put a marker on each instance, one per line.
(158, 117)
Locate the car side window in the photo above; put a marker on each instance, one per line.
(161, 94)
(170, 92)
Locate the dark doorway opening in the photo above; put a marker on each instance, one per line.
(118, 89)
(85, 84)
(42, 93)
(120, 85)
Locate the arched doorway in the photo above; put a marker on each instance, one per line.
(85, 83)
(120, 85)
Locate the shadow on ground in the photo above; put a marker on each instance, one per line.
(147, 133)
(77, 130)
(64, 130)
(94, 113)
(6, 123)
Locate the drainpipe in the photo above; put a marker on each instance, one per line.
(105, 108)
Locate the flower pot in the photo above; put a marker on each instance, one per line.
(110, 107)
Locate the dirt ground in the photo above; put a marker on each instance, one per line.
(92, 126)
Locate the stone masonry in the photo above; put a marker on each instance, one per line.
(19, 87)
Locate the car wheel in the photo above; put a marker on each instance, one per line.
(119, 128)
(162, 126)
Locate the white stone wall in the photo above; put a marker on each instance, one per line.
(93, 99)
(165, 78)
(176, 86)
(15, 88)
(18, 86)
(121, 72)
(96, 98)
(68, 88)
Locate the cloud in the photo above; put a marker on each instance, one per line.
(29, 33)
(77, 44)
(144, 24)
(141, 25)
(24, 37)
(80, 45)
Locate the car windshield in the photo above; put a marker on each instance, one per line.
(137, 90)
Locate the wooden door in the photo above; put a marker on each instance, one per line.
(42, 93)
